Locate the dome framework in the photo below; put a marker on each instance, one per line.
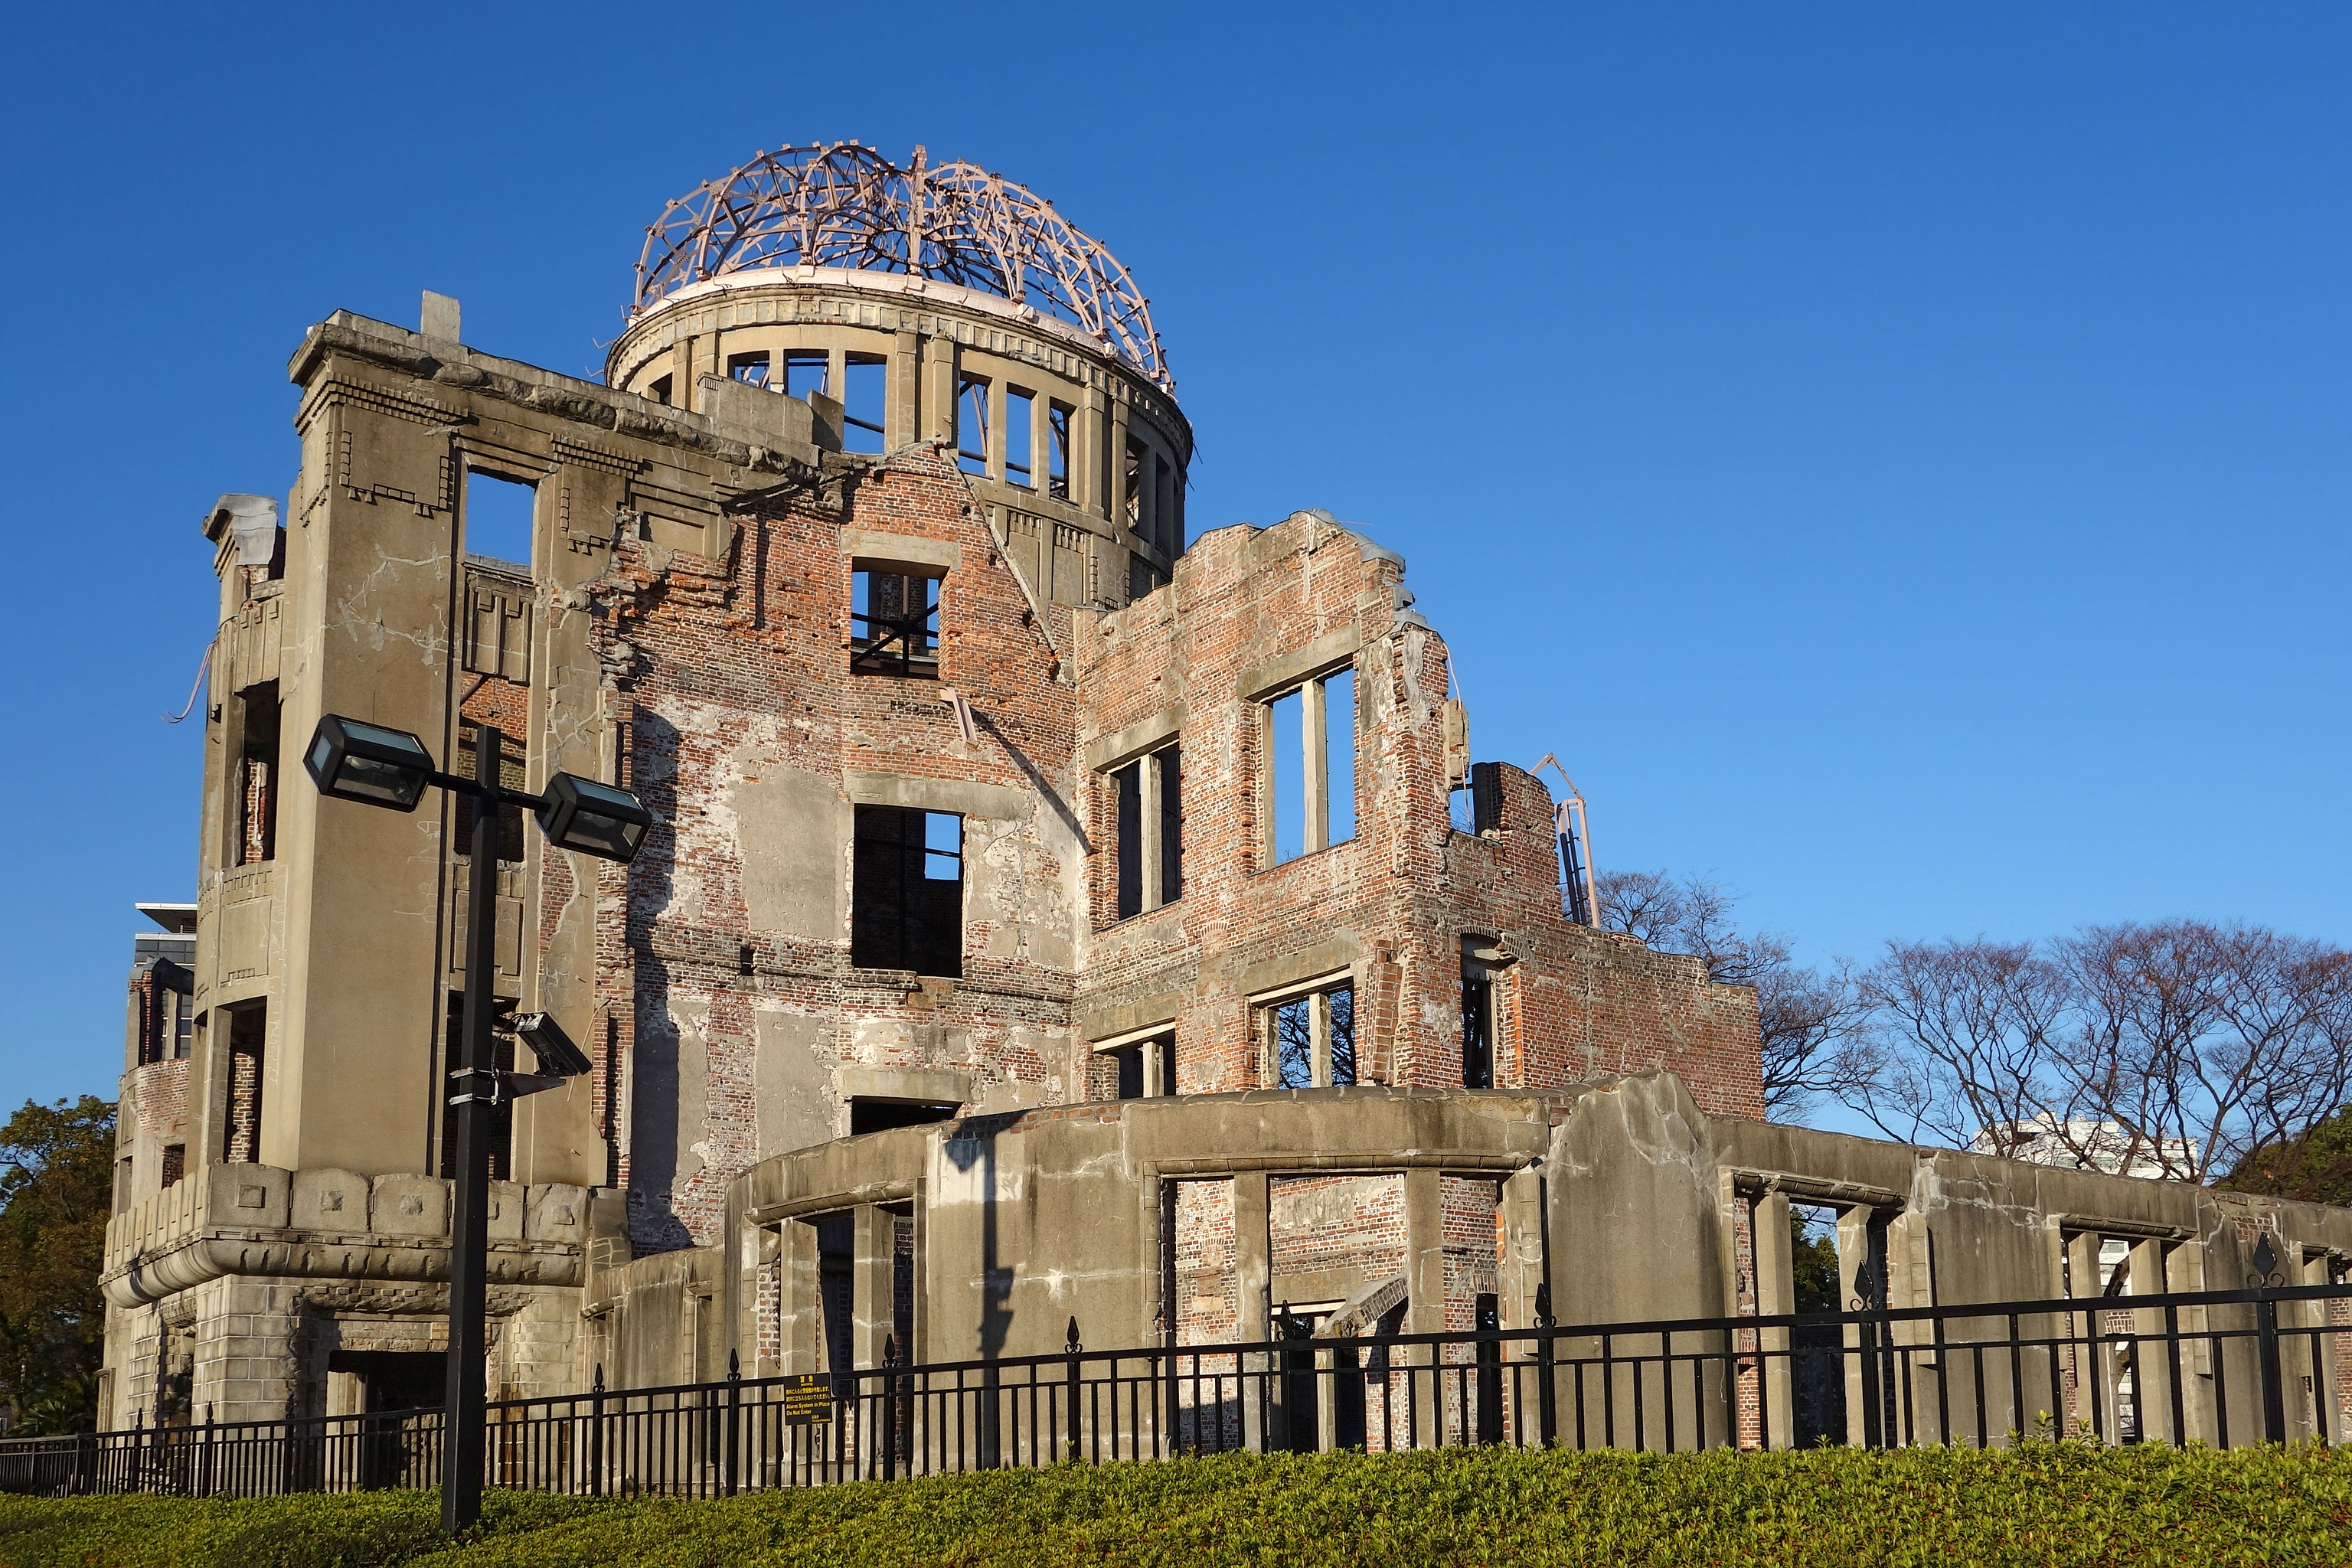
(845, 206)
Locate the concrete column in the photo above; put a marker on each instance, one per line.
(1148, 786)
(1252, 1279)
(2153, 1379)
(1425, 1255)
(2094, 1373)
(800, 1305)
(1776, 1296)
(935, 412)
(1853, 1249)
(1114, 457)
(1317, 786)
(902, 394)
(1319, 1040)
(1088, 432)
(870, 1284)
(997, 415)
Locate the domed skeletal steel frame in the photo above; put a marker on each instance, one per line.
(847, 205)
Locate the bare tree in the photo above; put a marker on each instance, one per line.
(1807, 1016)
(1963, 1044)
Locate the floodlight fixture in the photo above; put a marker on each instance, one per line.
(593, 818)
(558, 1057)
(367, 762)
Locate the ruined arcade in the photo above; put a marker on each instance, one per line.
(1054, 908)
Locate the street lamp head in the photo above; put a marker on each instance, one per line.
(593, 818)
(367, 762)
(558, 1057)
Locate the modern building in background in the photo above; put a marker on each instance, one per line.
(1056, 908)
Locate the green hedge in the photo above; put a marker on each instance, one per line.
(2043, 1503)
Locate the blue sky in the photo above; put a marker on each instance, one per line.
(1896, 455)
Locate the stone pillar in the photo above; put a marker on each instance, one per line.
(936, 412)
(902, 416)
(1854, 1250)
(2152, 1379)
(1425, 1255)
(1115, 458)
(801, 1304)
(1088, 433)
(870, 1284)
(1252, 1279)
(1776, 1296)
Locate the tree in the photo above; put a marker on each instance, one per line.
(2173, 1049)
(57, 1168)
(1807, 1016)
(2316, 1168)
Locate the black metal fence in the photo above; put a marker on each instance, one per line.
(2229, 1368)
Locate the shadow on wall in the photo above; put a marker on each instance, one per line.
(653, 1100)
(974, 1142)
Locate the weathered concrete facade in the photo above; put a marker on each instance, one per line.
(1043, 916)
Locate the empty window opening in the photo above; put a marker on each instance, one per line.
(248, 1029)
(751, 369)
(865, 401)
(175, 1163)
(659, 391)
(971, 424)
(497, 518)
(1057, 451)
(894, 624)
(1147, 831)
(256, 776)
(1477, 1030)
(836, 1284)
(806, 371)
(1308, 1040)
(1168, 530)
(121, 1190)
(1139, 458)
(183, 1024)
(1020, 436)
(880, 1115)
(1311, 733)
(1138, 1070)
(907, 898)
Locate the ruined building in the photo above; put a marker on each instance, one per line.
(1054, 909)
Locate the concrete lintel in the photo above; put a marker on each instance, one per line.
(996, 803)
(1330, 649)
(903, 550)
(1387, 1162)
(1820, 1189)
(867, 1193)
(1132, 741)
(1108, 1024)
(2103, 1226)
(921, 1086)
(1324, 958)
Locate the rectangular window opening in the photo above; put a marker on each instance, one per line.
(1478, 1029)
(1057, 451)
(248, 1031)
(1148, 832)
(906, 893)
(258, 711)
(1138, 456)
(894, 622)
(1309, 1040)
(865, 402)
(1167, 524)
(971, 424)
(751, 369)
(659, 391)
(499, 518)
(1142, 1069)
(1020, 432)
(805, 371)
(881, 1115)
(1310, 732)
(1128, 786)
(175, 1163)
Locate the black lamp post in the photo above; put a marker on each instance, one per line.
(391, 768)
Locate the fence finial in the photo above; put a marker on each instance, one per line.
(1072, 1345)
(734, 1367)
(598, 1386)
